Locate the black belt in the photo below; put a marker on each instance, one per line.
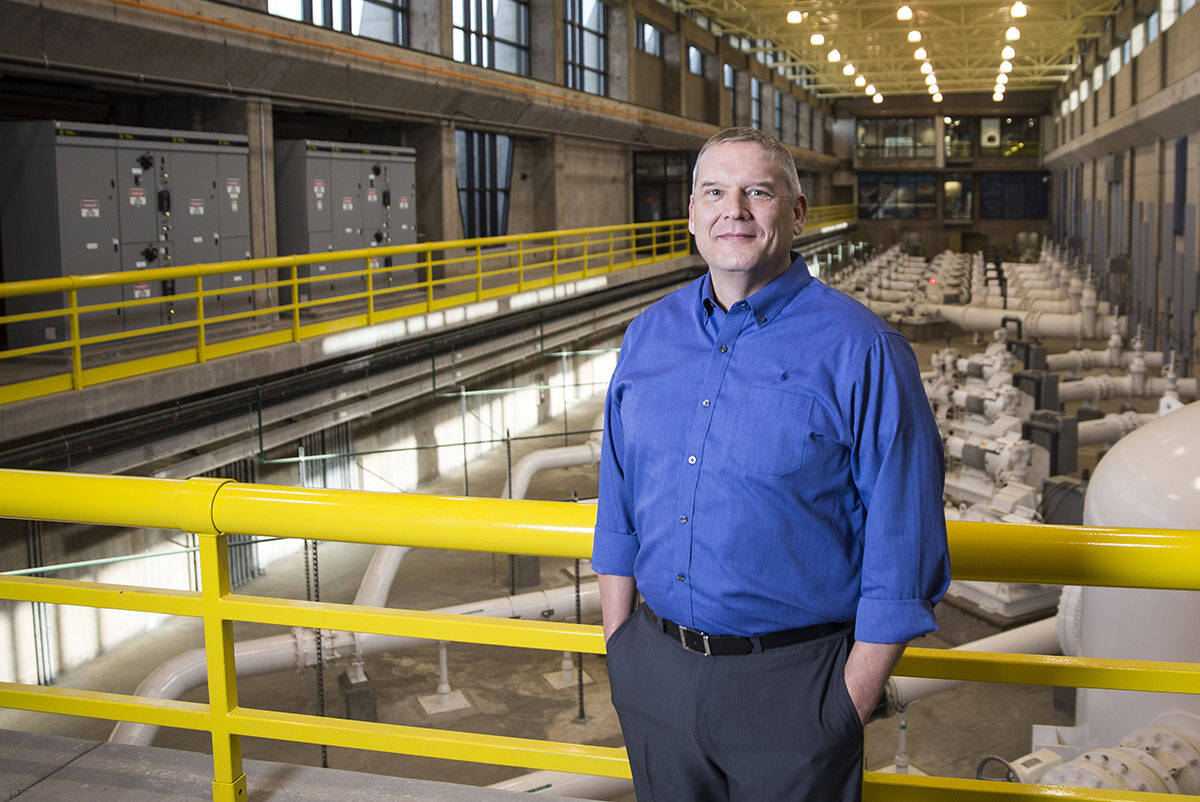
(697, 641)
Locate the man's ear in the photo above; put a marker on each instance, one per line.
(801, 211)
(691, 220)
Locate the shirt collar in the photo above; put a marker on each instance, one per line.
(767, 302)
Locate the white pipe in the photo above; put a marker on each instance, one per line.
(1039, 324)
(377, 579)
(1112, 427)
(1040, 637)
(187, 670)
(563, 457)
(1086, 359)
(1099, 388)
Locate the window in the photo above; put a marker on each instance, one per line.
(729, 77)
(899, 137)
(1065, 108)
(1185, 5)
(586, 32)
(1180, 184)
(959, 192)
(1126, 52)
(1137, 39)
(1084, 90)
(1114, 61)
(795, 121)
(484, 168)
(1013, 196)
(755, 104)
(1098, 76)
(492, 33)
(1152, 28)
(958, 136)
(649, 39)
(1170, 12)
(695, 60)
(896, 195)
(383, 20)
(779, 116)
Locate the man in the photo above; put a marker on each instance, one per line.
(771, 483)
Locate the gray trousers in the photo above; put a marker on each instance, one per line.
(766, 726)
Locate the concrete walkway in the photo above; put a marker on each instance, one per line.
(55, 768)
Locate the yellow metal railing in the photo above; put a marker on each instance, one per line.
(204, 312)
(1151, 558)
(62, 332)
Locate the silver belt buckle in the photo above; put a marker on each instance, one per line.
(707, 650)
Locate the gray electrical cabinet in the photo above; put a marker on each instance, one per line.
(79, 199)
(337, 196)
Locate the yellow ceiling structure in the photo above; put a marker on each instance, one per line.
(963, 40)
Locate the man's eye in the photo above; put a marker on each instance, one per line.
(712, 193)
(757, 193)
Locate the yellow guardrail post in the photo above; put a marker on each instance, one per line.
(76, 350)
(370, 291)
(554, 263)
(429, 279)
(520, 265)
(295, 276)
(612, 259)
(201, 356)
(478, 272)
(587, 256)
(229, 779)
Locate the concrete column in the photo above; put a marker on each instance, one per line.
(546, 51)
(548, 166)
(431, 27)
(438, 216)
(621, 30)
(675, 77)
(939, 145)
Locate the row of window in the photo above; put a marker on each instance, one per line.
(1141, 35)
(962, 137)
(1002, 196)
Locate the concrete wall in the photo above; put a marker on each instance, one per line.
(1123, 141)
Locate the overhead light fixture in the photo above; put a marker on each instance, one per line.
(1008, 52)
(937, 97)
(834, 55)
(914, 36)
(1005, 66)
(860, 81)
(933, 89)
(848, 69)
(795, 17)
(999, 87)
(1018, 9)
(817, 39)
(947, 120)
(926, 68)
(919, 54)
(998, 97)
(1001, 78)
(930, 80)
(904, 13)
(871, 89)
(878, 98)
(1013, 33)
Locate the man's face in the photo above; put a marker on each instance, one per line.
(741, 213)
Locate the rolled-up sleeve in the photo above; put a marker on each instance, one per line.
(898, 467)
(615, 543)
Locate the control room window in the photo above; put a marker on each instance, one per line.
(779, 116)
(896, 196)
(492, 33)
(729, 79)
(649, 39)
(383, 20)
(695, 60)
(959, 191)
(1013, 196)
(586, 32)
(484, 168)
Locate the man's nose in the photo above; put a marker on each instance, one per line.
(734, 205)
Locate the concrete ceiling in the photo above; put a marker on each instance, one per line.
(963, 40)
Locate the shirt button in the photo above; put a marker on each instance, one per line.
(681, 577)
(692, 460)
(724, 348)
(762, 320)
(705, 403)
(682, 519)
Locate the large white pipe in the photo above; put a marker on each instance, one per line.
(187, 670)
(563, 457)
(1040, 637)
(377, 579)
(1112, 427)
(1039, 324)
(1087, 359)
(1100, 388)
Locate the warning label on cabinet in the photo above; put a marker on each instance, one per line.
(137, 196)
(372, 196)
(233, 187)
(141, 290)
(89, 208)
(347, 204)
(403, 202)
(195, 206)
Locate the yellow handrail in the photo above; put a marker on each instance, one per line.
(293, 298)
(1152, 558)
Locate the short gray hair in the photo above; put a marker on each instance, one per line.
(769, 143)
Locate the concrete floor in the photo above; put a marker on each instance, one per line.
(947, 734)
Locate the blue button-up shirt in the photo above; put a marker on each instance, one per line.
(773, 466)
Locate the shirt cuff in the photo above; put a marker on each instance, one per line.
(893, 620)
(614, 552)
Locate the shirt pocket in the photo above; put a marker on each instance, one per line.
(772, 430)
